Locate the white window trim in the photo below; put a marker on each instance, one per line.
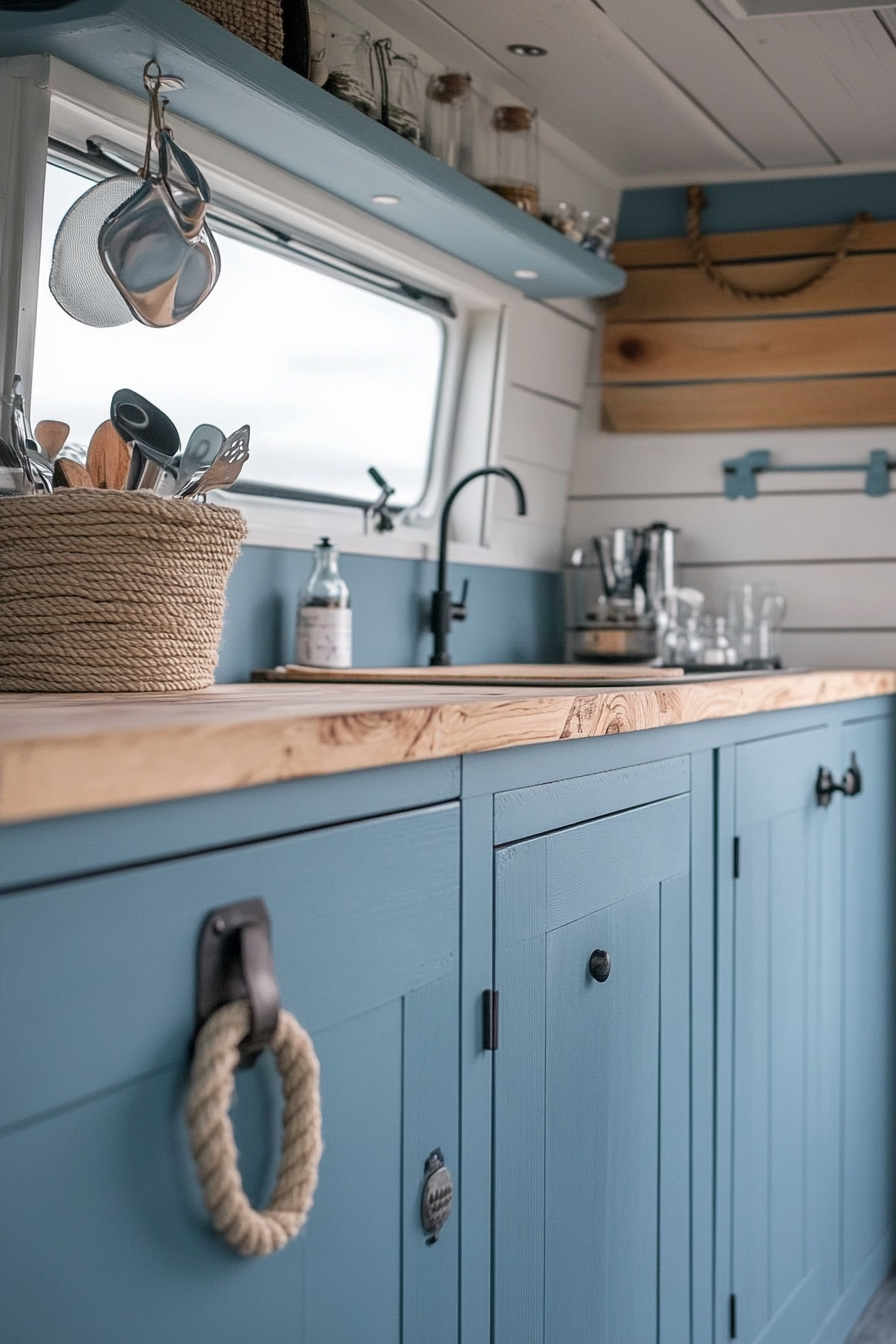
(42, 97)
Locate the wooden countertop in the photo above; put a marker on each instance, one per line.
(63, 754)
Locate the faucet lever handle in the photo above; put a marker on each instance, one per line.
(459, 609)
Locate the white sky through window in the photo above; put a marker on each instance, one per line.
(331, 378)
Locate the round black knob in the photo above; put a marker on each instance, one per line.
(599, 965)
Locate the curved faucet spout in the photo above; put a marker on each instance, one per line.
(444, 610)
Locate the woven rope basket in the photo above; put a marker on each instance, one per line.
(110, 590)
(259, 22)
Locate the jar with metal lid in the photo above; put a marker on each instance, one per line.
(399, 91)
(350, 62)
(449, 119)
(513, 172)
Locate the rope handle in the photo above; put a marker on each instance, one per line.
(254, 1231)
(702, 260)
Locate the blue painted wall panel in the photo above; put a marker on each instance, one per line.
(659, 212)
(515, 615)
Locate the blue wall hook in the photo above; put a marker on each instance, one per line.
(739, 473)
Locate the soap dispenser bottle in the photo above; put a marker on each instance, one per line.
(324, 624)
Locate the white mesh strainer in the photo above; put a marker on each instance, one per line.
(78, 280)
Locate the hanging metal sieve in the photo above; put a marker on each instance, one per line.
(79, 281)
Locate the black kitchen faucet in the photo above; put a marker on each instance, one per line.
(444, 610)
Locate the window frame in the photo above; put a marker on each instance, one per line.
(103, 159)
(45, 98)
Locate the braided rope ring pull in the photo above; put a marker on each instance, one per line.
(254, 1231)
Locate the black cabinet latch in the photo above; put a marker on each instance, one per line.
(849, 786)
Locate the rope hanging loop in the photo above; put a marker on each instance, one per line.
(217, 1054)
(697, 204)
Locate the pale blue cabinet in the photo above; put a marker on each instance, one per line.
(867, 961)
(785, 894)
(806, 1077)
(104, 1238)
(591, 1220)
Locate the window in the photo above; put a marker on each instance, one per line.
(332, 376)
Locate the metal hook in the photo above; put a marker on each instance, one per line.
(156, 84)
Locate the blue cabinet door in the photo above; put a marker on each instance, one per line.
(103, 1237)
(868, 959)
(591, 1111)
(784, 1192)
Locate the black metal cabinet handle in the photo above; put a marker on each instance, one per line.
(599, 965)
(849, 786)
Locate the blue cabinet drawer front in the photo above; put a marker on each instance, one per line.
(103, 1237)
(97, 976)
(564, 802)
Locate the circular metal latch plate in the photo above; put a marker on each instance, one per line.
(437, 1197)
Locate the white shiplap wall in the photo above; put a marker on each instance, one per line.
(829, 547)
(547, 363)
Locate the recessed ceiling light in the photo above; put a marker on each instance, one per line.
(386, 200)
(526, 275)
(526, 49)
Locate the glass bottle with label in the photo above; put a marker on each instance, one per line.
(324, 624)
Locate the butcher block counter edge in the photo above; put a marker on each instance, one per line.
(65, 754)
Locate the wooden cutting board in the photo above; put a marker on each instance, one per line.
(482, 674)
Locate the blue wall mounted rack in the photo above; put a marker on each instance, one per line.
(739, 473)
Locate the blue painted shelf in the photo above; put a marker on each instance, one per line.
(252, 101)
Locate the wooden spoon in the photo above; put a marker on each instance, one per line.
(108, 458)
(51, 435)
(72, 475)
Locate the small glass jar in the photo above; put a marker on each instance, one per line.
(449, 119)
(599, 234)
(565, 218)
(514, 170)
(350, 64)
(399, 92)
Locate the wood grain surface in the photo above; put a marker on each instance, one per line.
(793, 403)
(815, 241)
(660, 293)
(483, 674)
(64, 754)
(764, 347)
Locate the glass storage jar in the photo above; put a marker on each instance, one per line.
(350, 62)
(399, 91)
(513, 173)
(449, 119)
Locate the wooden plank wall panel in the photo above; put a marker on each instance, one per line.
(761, 347)
(797, 403)
(815, 241)
(655, 293)
(681, 354)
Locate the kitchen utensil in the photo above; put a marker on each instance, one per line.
(38, 470)
(79, 281)
(51, 435)
(108, 458)
(71, 475)
(41, 466)
(201, 450)
(223, 471)
(153, 438)
(156, 246)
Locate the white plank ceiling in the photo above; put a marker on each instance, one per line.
(663, 90)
